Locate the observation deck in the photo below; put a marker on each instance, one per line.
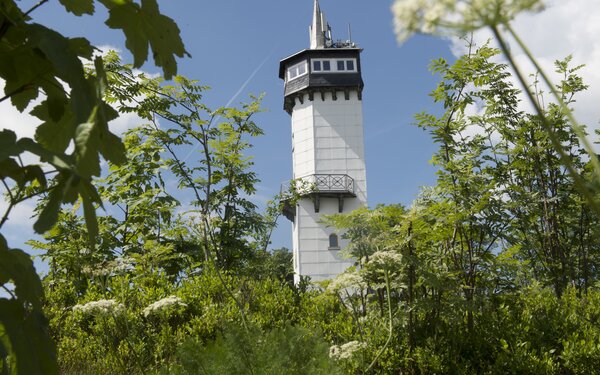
(316, 186)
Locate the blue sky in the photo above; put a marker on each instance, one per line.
(229, 40)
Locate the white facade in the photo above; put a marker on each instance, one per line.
(327, 139)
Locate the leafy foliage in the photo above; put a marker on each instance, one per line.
(492, 270)
(282, 350)
(44, 69)
(488, 269)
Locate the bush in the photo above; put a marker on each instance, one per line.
(287, 350)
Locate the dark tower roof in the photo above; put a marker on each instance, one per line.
(304, 72)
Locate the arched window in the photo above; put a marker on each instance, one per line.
(333, 241)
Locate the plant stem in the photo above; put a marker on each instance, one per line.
(40, 3)
(391, 323)
(580, 183)
(566, 110)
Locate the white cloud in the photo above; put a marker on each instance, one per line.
(564, 28)
(125, 122)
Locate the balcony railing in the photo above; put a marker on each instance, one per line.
(316, 186)
(320, 184)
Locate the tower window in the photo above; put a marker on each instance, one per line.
(296, 71)
(333, 241)
(333, 65)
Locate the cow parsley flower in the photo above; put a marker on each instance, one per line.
(347, 350)
(101, 307)
(442, 16)
(346, 280)
(386, 259)
(164, 304)
(334, 352)
(117, 266)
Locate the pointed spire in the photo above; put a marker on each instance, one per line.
(318, 29)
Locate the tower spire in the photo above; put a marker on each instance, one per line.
(318, 29)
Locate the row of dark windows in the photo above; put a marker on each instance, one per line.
(333, 65)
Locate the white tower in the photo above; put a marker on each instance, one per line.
(323, 94)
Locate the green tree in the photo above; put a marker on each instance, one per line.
(503, 226)
(220, 179)
(551, 223)
(39, 63)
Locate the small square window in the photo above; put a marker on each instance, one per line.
(301, 69)
(333, 241)
(340, 65)
(326, 65)
(296, 70)
(317, 66)
(349, 65)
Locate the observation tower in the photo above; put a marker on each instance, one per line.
(323, 94)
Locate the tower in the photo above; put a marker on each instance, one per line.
(323, 94)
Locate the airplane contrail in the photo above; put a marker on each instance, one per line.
(239, 91)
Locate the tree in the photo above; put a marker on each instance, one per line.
(216, 169)
(501, 244)
(38, 63)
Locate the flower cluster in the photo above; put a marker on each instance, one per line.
(346, 280)
(441, 16)
(347, 350)
(386, 259)
(101, 307)
(117, 266)
(163, 305)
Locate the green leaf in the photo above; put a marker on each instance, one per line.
(79, 7)
(22, 99)
(8, 144)
(35, 172)
(16, 266)
(58, 50)
(49, 214)
(112, 148)
(82, 47)
(11, 169)
(143, 25)
(57, 101)
(86, 147)
(54, 135)
(29, 341)
(60, 161)
(88, 197)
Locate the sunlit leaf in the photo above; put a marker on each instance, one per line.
(79, 7)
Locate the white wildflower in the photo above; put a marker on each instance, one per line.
(346, 280)
(164, 305)
(122, 265)
(117, 266)
(442, 16)
(334, 352)
(388, 259)
(347, 350)
(101, 307)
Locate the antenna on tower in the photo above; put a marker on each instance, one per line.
(349, 34)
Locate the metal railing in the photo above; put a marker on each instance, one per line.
(319, 183)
